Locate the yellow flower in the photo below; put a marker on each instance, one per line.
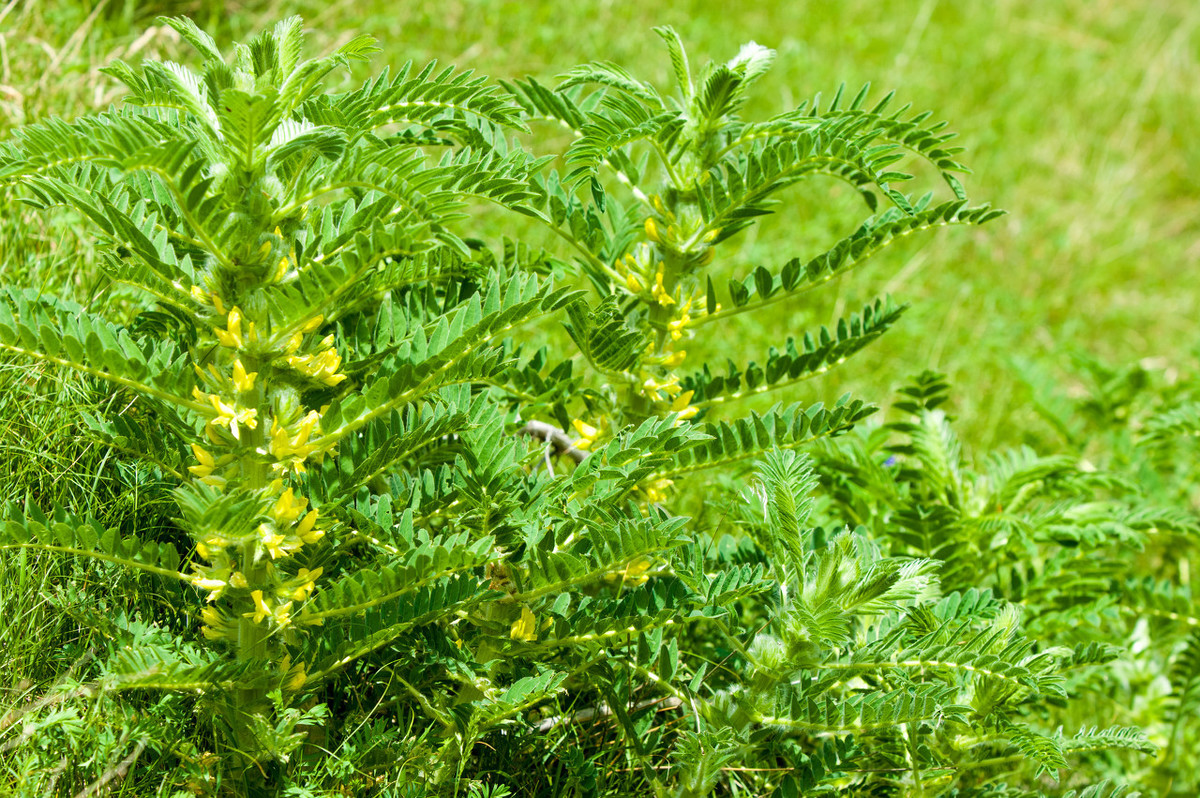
(207, 463)
(312, 324)
(657, 491)
(652, 231)
(288, 507)
(650, 386)
(210, 543)
(587, 434)
(306, 530)
(525, 627)
(233, 416)
(307, 425)
(308, 575)
(262, 610)
(217, 303)
(210, 432)
(676, 326)
(215, 626)
(633, 284)
(634, 573)
(215, 587)
(307, 581)
(211, 616)
(660, 292)
(272, 542)
(680, 404)
(242, 382)
(676, 359)
(294, 449)
(231, 336)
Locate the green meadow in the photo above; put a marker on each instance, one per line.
(1079, 118)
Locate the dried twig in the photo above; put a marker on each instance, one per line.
(603, 711)
(552, 435)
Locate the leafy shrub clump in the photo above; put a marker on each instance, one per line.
(410, 552)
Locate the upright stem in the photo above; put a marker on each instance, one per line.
(253, 638)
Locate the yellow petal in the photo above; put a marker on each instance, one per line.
(242, 381)
(312, 323)
(262, 610)
(585, 430)
(652, 231)
(203, 456)
(681, 402)
(525, 627)
(306, 526)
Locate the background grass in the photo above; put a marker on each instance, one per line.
(1078, 117)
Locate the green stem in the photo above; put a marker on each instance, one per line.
(253, 637)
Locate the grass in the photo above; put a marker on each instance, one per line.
(1075, 114)
(1079, 117)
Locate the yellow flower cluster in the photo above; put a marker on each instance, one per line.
(231, 336)
(635, 572)
(668, 236)
(633, 268)
(657, 389)
(676, 326)
(290, 444)
(263, 608)
(233, 416)
(216, 625)
(660, 294)
(288, 527)
(321, 365)
(276, 608)
(212, 471)
(287, 531)
(668, 388)
(248, 565)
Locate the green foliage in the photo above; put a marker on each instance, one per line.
(414, 541)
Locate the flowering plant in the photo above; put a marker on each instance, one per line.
(324, 370)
